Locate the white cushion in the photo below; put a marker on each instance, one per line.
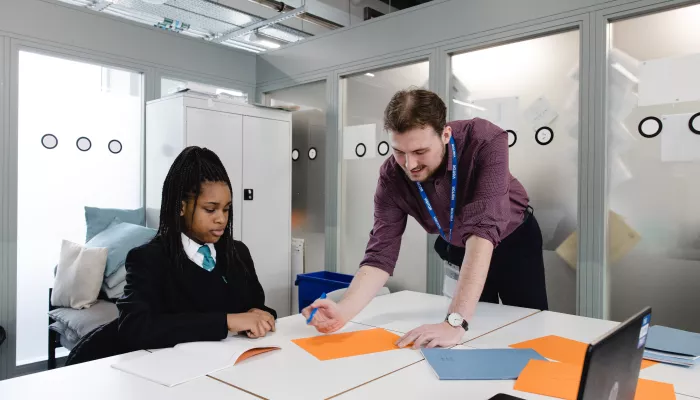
(78, 276)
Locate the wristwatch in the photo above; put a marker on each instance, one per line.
(455, 320)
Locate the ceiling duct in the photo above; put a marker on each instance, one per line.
(307, 16)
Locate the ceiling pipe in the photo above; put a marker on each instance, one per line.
(280, 6)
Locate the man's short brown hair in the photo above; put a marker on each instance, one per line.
(415, 108)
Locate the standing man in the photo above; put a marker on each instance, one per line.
(454, 180)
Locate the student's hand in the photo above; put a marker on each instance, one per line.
(255, 324)
(433, 335)
(329, 317)
(268, 316)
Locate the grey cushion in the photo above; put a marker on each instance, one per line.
(119, 238)
(98, 219)
(67, 343)
(65, 333)
(79, 323)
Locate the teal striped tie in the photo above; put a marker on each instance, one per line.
(209, 262)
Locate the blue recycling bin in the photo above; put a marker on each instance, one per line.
(313, 284)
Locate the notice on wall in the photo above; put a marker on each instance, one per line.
(540, 113)
(359, 142)
(621, 240)
(669, 80)
(678, 142)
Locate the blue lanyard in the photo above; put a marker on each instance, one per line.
(453, 196)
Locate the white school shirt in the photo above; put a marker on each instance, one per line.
(192, 250)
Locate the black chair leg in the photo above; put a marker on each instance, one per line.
(53, 336)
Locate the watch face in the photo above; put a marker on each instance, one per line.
(454, 319)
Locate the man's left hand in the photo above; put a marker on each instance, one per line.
(433, 335)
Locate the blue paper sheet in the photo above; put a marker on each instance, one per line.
(490, 364)
(674, 341)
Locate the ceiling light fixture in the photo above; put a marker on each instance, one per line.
(462, 103)
(371, 75)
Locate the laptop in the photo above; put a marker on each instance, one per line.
(612, 363)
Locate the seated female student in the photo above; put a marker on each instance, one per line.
(193, 281)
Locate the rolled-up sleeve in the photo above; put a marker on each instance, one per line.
(486, 213)
(385, 237)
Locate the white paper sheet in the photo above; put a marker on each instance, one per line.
(678, 142)
(500, 111)
(669, 80)
(354, 135)
(189, 361)
(540, 113)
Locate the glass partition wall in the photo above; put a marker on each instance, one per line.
(530, 88)
(653, 153)
(363, 148)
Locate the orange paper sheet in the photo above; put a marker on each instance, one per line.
(653, 390)
(549, 378)
(254, 352)
(556, 348)
(562, 349)
(561, 380)
(330, 347)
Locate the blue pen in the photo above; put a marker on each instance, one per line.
(313, 312)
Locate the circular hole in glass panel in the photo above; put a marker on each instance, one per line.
(83, 144)
(650, 127)
(512, 138)
(383, 148)
(360, 150)
(49, 141)
(544, 135)
(115, 146)
(694, 124)
(312, 153)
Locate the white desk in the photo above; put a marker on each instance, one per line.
(403, 311)
(542, 324)
(418, 381)
(98, 380)
(292, 373)
(685, 380)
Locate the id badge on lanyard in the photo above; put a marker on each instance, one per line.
(451, 271)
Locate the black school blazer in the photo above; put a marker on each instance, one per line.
(166, 304)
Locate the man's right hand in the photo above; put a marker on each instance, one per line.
(329, 317)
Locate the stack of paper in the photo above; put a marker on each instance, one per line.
(452, 364)
(672, 346)
(188, 361)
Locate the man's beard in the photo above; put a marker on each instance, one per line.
(432, 172)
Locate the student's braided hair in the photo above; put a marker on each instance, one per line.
(194, 166)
